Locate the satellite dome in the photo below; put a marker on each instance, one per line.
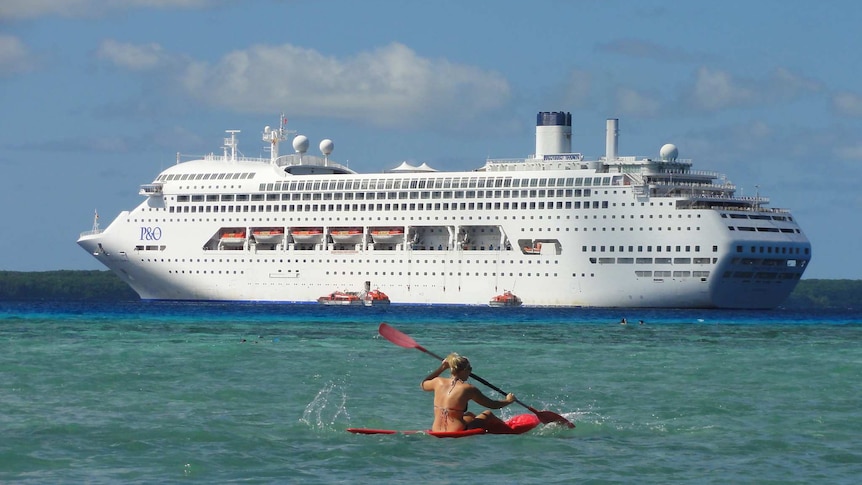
(300, 144)
(326, 146)
(669, 152)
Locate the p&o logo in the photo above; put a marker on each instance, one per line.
(151, 233)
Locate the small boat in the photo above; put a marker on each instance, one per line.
(536, 249)
(233, 238)
(375, 298)
(307, 234)
(268, 236)
(388, 235)
(346, 235)
(341, 298)
(506, 299)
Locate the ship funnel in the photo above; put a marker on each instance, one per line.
(612, 139)
(553, 133)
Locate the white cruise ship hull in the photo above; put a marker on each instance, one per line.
(631, 238)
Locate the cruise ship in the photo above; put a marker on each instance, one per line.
(554, 228)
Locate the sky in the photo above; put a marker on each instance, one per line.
(98, 96)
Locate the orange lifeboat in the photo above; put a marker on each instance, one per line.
(233, 238)
(388, 235)
(268, 236)
(340, 298)
(506, 299)
(375, 298)
(536, 249)
(308, 235)
(348, 235)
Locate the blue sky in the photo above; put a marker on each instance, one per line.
(98, 96)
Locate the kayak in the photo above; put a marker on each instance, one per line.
(515, 425)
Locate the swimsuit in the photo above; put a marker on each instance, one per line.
(444, 412)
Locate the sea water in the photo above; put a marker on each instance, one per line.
(214, 393)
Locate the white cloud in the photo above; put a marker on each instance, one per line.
(21, 9)
(14, 55)
(389, 86)
(135, 57)
(131, 56)
(847, 104)
(631, 102)
(715, 89)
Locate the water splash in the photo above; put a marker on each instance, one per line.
(328, 407)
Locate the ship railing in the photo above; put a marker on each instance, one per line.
(297, 160)
(151, 189)
(520, 164)
(726, 187)
(683, 173)
(212, 156)
(90, 233)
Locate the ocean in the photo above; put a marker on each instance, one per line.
(217, 393)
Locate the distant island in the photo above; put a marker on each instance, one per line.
(97, 285)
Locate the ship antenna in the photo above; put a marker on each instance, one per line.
(274, 137)
(231, 143)
(757, 197)
(96, 222)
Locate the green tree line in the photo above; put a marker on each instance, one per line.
(63, 285)
(105, 285)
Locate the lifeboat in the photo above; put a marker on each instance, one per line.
(506, 299)
(307, 234)
(375, 298)
(340, 298)
(536, 249)
(388, 235)
(233, 238)
(268, 236)
(350, 235)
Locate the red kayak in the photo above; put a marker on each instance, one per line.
(514, 425)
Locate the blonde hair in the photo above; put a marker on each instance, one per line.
(457, 362)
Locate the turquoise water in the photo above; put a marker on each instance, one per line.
(164, 393)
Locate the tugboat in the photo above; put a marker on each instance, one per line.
(506, 299)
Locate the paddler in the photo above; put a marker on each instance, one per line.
(452, 394)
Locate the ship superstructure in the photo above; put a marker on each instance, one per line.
(555, 228)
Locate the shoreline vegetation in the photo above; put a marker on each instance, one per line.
(97, 285)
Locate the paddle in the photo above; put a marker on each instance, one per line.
(403, 340)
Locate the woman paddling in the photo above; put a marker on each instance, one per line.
(451, 396)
